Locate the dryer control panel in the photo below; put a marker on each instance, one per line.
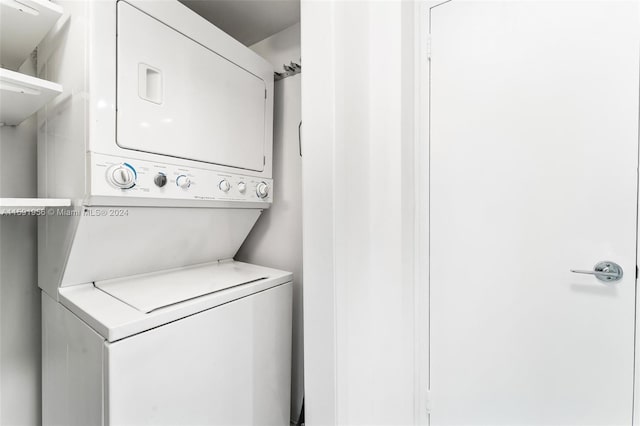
(114, 176)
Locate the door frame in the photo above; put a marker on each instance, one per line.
(422, 222)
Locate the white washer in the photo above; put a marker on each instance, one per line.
(191, 346)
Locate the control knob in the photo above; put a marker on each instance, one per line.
(183, 181)
(242, 187)
(262, 190)
(160, 180)
(122, 176)
(224, 185)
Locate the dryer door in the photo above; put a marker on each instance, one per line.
(179, 98)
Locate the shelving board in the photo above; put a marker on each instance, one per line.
(22, 95)
(23, 206)
(23, 24)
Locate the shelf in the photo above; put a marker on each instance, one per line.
(22, 95)
(24, 24)
(24, 206)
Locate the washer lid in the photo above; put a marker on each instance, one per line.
(153, 291)
(114, 319)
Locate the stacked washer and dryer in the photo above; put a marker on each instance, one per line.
(163, 140)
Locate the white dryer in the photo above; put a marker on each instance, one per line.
(162, 139)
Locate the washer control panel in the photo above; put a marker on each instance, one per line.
(114, 176)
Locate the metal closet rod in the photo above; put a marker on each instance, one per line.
(289, 70)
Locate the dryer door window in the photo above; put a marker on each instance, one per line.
(179, 98)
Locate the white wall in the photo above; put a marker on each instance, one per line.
(358, 213)
(276, 240)
(281, 48)
(19, 293)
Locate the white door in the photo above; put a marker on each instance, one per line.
(533, 156)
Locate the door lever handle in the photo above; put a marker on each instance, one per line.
(597, 273)
(604, 271)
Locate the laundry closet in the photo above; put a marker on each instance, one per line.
(151, 168)
(464, 174)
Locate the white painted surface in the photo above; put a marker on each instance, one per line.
(529, 129)
(23, 24)
(421, 189)
(201, 371)
(276, 239)
(357, 91)
(19, 323)
(318, 109)
(34, 202)
(214, 112)
(280, 48)
(23, 95)
(248, 21)
(25, 206)
(19, 296)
